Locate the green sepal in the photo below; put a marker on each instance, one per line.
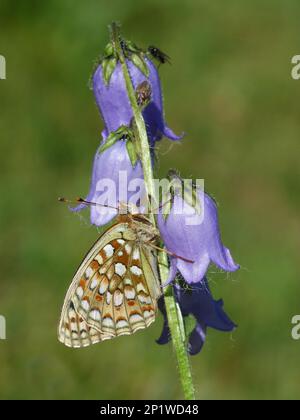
(109, 50)
(121, 132)
(167, 206)
(108, 66)
(139, 62)
(189, 325)
(110, 141)
(187, 192)
(175, 188)
(132, 47)
(133, 156)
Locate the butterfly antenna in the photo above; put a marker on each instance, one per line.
(171, 253)
(80, 200)
(163, 205)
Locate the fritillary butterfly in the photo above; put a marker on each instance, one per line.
(115, 290)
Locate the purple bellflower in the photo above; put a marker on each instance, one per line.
(200, 241)
(207, 312)
(114, 104)
(114, 165)
(114, 180)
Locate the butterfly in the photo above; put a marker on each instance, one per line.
(115, 290)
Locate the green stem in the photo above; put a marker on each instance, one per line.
(173, 312)
(177, 332)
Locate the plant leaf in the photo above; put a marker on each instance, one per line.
(140, 63)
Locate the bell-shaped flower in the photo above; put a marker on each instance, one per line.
(114, 105)
(207, 312)
(115, 180)
(193, 238)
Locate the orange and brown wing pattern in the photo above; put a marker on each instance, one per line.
(75, 332)
(128, 304)
(78, 288)
(114, 296)
(114, 292)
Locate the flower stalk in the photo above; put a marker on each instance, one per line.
(142, 144)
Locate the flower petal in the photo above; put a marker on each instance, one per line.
(219, 254)
(196, 340)
(221, 257)
(165, 336)
(114, 180)
(192, 272)
(114, 105)
(195, 237)
(167, 132)
(198, 302)
(220, 320)
(172, 272)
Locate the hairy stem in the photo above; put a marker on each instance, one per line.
(173, 311)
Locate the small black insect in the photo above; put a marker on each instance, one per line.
(159, 55)
(123, 46)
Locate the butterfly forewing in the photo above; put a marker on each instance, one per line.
(114, 291)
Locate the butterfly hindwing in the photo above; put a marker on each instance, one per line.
(75, 332)
(113, 292)
(82, 280)
(129, 304)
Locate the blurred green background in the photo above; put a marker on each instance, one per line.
(229, 88)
